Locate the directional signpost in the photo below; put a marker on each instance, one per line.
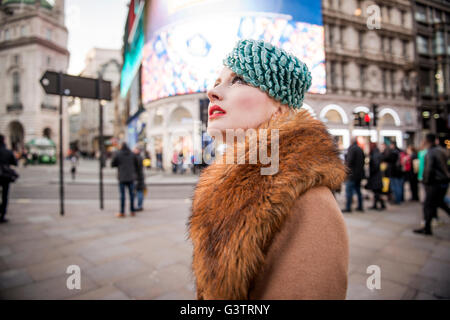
(66, 85)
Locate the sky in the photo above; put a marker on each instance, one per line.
(98, 24)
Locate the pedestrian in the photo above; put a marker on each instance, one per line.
(140, 182)
(24, 157)
(159, 159)
(442, 203)
(375, 182)
(268, 230)
(411, 172)
(354, 160)
(181, 162)
(175, 162)
(7, 175)
(435, 179)
(74, 163)
(127, 165)
(395, 172)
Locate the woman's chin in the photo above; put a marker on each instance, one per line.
(214, 130)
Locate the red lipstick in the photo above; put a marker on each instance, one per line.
(216, 111)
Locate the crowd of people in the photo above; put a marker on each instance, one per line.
(384, 172)
(181, 164)
(390, 169)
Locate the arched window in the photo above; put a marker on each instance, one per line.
(180, 116)
(387, 120)
(16, 87)
(332, 116)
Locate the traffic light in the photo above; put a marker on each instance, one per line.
(367, 119)
(375, 114)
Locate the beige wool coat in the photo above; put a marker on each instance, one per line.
(279, 236)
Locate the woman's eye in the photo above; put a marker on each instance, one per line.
(238, 80)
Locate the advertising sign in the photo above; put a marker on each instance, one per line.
(186, 40)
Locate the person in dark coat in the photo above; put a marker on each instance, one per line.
(355, 162)
(435, 179)
(395, 172)
(127, 165)
(6, 159)
(410, 173)
(375, 182)
(140, 182)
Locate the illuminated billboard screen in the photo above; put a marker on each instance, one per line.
(186, 40)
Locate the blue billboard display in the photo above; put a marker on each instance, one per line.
(186, 40)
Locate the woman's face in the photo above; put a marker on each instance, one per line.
(244, 106)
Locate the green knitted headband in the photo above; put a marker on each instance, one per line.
(283, 76)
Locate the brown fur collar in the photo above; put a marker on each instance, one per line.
(236, 211)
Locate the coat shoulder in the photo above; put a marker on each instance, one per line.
(308, 258)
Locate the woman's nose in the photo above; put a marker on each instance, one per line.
(214, 94)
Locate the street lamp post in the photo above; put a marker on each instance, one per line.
(100, 134)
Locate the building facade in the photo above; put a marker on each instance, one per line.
(432, 23)
(33, 39)
(108, 63)
(370, 60)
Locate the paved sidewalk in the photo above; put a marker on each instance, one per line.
(148, 257)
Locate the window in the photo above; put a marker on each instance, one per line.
(382, 44)
(438, 43)
(389, 13)
(383, 80)
(421, 13)
(16, 59)
(405, 48)
(402, 17)
(7, 35)
(437, 16)
(360, 40)
(424, 80)
(392, 81)
(422, 44)
(331, 32)
(49, 61)
(362, 73)
(448, 42)
(337, 4)
(333, 73)
(343, 67)
(341, 35)
(390, 40)
(16, 87)
(49, 34)
(23, 31)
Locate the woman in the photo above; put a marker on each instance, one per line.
(269, 236)
(375, 182)
(411, 172)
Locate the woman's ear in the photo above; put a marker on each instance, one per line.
(278, 111)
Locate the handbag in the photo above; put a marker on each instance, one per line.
(7, 174)
(386, 182)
